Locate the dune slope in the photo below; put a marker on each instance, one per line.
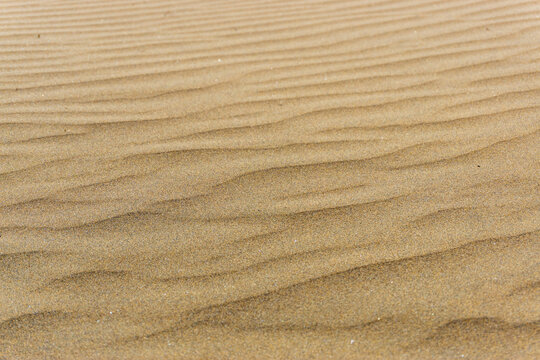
(269, 179)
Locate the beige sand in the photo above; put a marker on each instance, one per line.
(269, 179)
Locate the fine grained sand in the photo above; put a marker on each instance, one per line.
(269, 179)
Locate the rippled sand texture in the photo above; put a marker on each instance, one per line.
(269, 179)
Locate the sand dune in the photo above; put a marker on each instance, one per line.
(269, 179)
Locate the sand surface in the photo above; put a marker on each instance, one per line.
(269, 179)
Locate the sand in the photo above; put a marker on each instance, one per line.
(269, 179)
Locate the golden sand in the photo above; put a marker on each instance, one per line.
(269, 179)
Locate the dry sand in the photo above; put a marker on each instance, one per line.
(269, 179)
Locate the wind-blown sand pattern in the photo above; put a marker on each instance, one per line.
(269, 179)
